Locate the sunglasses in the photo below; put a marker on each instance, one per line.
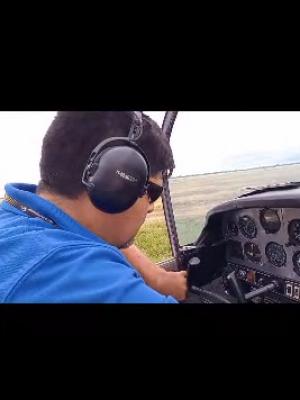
(153, 191)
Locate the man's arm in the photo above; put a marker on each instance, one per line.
(168, 283)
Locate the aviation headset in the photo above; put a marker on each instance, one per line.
(117, 172)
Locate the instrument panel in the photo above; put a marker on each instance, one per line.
(265, 241)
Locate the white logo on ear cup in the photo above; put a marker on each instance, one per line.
(126, 176)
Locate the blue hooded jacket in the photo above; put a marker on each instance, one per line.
(44, 263)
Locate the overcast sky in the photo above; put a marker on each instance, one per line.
(201, 141)
(215, 141)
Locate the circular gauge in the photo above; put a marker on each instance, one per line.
(270, 220)
(294, 231)
(247, 227)
(296, 262)
(231, 229)
(276, 254)
(252, 252)
(235, 249)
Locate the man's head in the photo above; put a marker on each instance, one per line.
(66, 150)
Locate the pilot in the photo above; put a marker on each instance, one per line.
(70, 238)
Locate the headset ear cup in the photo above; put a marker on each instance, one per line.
(117, 176)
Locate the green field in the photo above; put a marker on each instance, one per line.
(153, 237)
(153, 240)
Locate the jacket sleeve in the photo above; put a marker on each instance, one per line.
(84, 274)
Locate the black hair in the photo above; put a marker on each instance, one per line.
(73, 135)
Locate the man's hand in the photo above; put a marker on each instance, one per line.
(167, 283)
(172, 283)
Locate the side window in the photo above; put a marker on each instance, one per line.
(153, 237)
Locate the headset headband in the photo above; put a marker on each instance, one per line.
(136, 129)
